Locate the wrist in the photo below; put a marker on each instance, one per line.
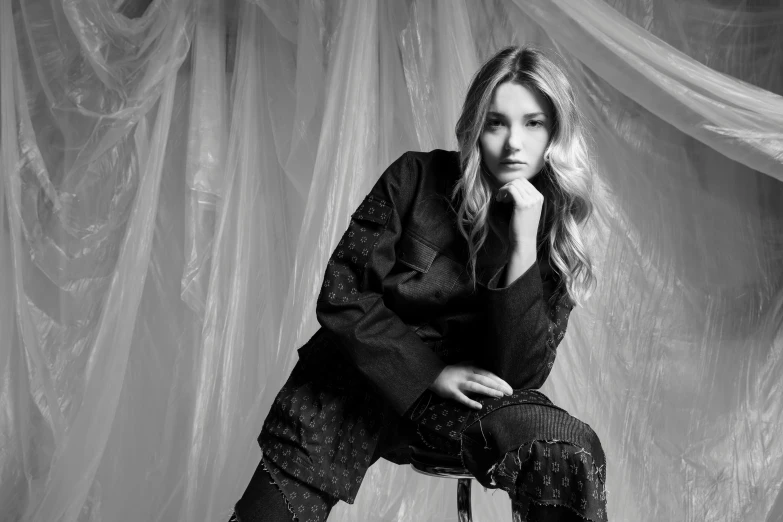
(523, 251)
(519, 263)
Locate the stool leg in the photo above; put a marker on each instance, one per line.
(519, 510)
(516, 513)
(463, 500)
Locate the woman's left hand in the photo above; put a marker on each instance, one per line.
(528, 202)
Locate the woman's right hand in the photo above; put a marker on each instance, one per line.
(456, 380)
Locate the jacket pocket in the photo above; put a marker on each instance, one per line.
(435, 275)
(416, 254)
(373, 209)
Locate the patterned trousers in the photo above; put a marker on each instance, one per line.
(554, 480)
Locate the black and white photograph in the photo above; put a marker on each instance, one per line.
(391, 260)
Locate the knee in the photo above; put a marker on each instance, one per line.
(590, 434)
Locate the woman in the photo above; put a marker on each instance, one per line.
(441, 309)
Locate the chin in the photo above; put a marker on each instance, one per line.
(506, 176)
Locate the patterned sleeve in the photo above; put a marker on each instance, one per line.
(351, 307)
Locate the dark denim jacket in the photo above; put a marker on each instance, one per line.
(399, 304)
(396, 307)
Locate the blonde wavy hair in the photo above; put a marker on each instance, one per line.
(567, 172)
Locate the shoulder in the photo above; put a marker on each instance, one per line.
(424, 172)
(436, 161)
(416, 176)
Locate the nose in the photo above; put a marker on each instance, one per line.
(514, 139)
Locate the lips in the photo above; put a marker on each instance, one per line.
(512, 162)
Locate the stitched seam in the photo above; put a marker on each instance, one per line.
(559, 441)
(427, 242)
(359, 269)
(553, 504)
(493, 469)
(414, 266)
(363, 215)
(431, 254)
(423, 440)
(363, 275)
(469, 424)
(420, 409)
(462, 451)
(421, 238)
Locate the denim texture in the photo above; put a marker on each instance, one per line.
(396, 306)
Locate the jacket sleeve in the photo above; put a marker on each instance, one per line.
(351, 306)
(525, 322)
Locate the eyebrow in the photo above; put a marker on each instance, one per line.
(529, 115)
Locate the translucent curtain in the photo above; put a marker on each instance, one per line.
(250, 270)
(685, 326)
(740, 120)
(173, 184)
(87, 98)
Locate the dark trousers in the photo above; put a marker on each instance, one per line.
(492, 444)
(262, 500)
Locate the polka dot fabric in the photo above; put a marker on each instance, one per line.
(345, 269)
(336, 426)
(304, 502)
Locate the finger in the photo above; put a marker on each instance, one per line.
(489, 382)
(467, 401)
(527, 188)
(486, 373)
(524, 199)
(477, 387)
(521, 199)
(504, 194)
(528, 191)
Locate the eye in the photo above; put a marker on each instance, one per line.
(493, 123)
(535, 123)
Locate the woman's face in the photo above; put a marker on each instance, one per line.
(516, 133)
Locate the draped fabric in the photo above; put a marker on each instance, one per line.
(176, 173)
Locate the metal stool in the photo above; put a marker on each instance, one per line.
(435, 464)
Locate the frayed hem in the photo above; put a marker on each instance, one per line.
(499, 469)
(600, 471)
(285, 499)
(548, 503)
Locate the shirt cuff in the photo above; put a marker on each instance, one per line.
(513, 300)
(531, 273)
(411, 395)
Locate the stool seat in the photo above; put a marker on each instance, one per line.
(437, 464)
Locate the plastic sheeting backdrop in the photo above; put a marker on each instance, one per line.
(173, 181)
